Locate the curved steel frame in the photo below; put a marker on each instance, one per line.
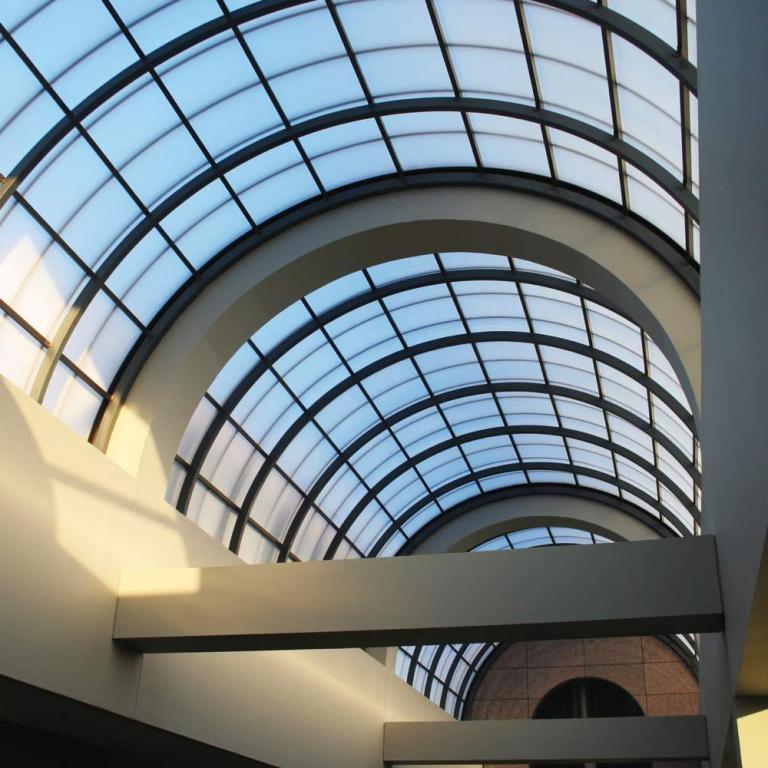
(399, 286)
(378, 294)
(410, 352)
(605, 17)
(217, 170)
(494, 388)
(576, 197)
(516, 491)
(437, 448)
(517, 467)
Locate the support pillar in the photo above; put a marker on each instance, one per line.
(733, 59)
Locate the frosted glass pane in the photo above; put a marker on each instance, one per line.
(86, 50)
(72, 400)
(508, 143)
(585, 164)
(424, 140)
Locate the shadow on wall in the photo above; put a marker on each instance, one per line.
(70, 520)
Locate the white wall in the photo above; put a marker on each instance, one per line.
(70, 520)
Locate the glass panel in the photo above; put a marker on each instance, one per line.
(585, 164)
(569, 60)
(429, 139)
(272, 182)
(508, 143)
(398, 60)
(649, 100)
(26, 111)
(153, 23)
(486, 49)
(86, 50)
(303, 58)
(348, 153)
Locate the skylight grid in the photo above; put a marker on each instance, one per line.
(448, 412)
(443, 673)
(166, 163)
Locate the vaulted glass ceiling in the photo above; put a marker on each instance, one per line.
(446, 674)
(375, 404)
(144, 142)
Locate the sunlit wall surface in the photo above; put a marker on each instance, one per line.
(141, 139)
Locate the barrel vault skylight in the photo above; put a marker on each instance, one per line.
(384, 399)
(147, 144)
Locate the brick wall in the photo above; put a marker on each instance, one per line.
(645, 667)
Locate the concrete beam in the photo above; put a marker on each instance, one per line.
(647, 587)
(615, 739)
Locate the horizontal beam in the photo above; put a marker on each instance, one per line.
(615, 739)
(650, 587)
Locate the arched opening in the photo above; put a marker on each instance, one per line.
(588, 697)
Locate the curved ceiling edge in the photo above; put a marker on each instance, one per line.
(381, 228)
(657, 49)
(475, 520)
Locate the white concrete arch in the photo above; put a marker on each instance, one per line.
(151, 421)
(516, 513)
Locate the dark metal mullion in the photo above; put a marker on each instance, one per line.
(323, 328)
(352, 56)
(250, 498)
(270, 94)
(258, 449)
(413, 664)
(54, 352)
(25, 325)
(349, 305)
(453, 78)
(447, 684)
(651, 413)
(438, 448)
(601, 393)
(613, 92)
(469, 678)
(408, 350)
(88, 271)
(82, 375)
(685, 119)
(228, 502)
(534, 466)
(478, 356)
(540, 358)
(551, 535)
(175, 107)
(535, 85)
(432, 671)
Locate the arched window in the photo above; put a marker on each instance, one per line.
(588, 697)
